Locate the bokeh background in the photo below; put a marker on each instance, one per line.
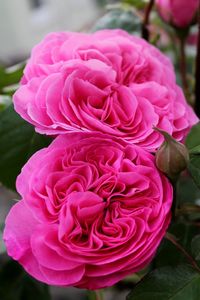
(23, 23)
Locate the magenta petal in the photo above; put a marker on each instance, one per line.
(63, 278)
(19, 227)
(47, 256)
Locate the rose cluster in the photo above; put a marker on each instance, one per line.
(94, 206)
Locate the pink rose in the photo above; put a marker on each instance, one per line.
(108, 81)
(93, 210)
(179, 13)
(192, 39)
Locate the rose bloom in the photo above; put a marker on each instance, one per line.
(180, 13)
(108, 81)
(93, 210)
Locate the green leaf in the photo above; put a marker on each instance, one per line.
(11, 75)
(187, 192)
(139, 4)
(193, 144)
(194, 168)
(193, 139)
(167, 253)
(119, 18)
(16, 284)
(195, 150)
(33, 289)
(195, 246)
(178, 283)
(18, 142)
(5, 101)
(2, 246)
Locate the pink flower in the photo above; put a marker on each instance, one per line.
(192, 39)
(108, 81)
(93, 210)
(179, 13)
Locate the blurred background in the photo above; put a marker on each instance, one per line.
(23, 23)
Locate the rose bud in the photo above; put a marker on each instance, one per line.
(179, 13)
(172, 156)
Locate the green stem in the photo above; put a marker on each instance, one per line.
(98, 294)
(188, 209)
(197, 75)
(173, 240)
(194, 223)
(183, 66)
(145, 30)
(95, 295)
(175, 200)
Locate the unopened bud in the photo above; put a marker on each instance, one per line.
(180, 14)
(172, 157)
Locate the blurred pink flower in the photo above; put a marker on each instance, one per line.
(93, 210)
(179, 13)
(108, 81)
(192, 39)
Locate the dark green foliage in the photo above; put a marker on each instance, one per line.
(178, 283)
(15, 284)
(18, 141)
(119, 18)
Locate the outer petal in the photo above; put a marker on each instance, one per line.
(19, 227)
